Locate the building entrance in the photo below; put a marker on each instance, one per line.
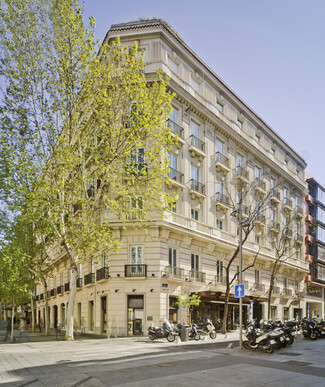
(135, 315)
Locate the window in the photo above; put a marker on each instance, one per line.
(220, 106)
(257, 138)
(219, 146)
(172, 205)
(135, 208)
(257, 173)
(137, 160)
(172, 65)
(285, 193)
(272, 215)
(240, 123)
(195, 129)
(172, 163)
(257, 239)
(105, 259)
(320, 234)
(219, 186)
(194, 173)
(80, 270)
(285, 313)
(174, 115)
(219, 224)
(320, 195)
(172, 257)
(195, 262)
(272, 184)
(297, 255)
(195, 84)
(320, 214)
(219, 270)
(257, 276)
(92, 265)
(239, 160)
(62, 279)
(136, 253)
(194, 214)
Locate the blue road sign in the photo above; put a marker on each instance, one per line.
(240, 290)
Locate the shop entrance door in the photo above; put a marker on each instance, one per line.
(135, 316)
(257, 312)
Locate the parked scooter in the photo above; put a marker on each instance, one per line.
(207, 328)
(166, 331)
(275, 334)
(309, 328)
(320, 328)
(256, 339)
(193, 333)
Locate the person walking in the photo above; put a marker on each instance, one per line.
(58, 329)
(22, 329)
(8, 329)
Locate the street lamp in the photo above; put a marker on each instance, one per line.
(242, 224)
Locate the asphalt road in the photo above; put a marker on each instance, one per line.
(139, 362)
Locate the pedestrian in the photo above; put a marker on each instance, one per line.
(22, 329)
(8, 328)
(40, 324)
(57, 327)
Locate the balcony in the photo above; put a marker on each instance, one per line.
(136, 169)
(288, 232)
(310, 239)
(67, 287)
(309, 218)
(257, 287)
(299, 212)
(37, 297)
(242, 174)
(275, 196)
(176, 130)
(260, 219)
(41, 296)
(79, 283)
(195, 275)
(310, 199)
(299, 239)
(134, 271)
(245, 211)
(102, 274)
(222, 163)
(276, 290)
(259, 185)
(89, 278)
(274, 226)
(220, 280)
(287, 292)
(53, 292)
(173, 272)
(48, 293)
(197, 190)
(197, 147)
(59, 289)
(222, 201)
(287, 204)
(175, 178)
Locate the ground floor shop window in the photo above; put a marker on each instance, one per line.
(135, 314)
(285, 313)
(273, 313)
(173, 310)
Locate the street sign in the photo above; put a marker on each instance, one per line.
(240, 290)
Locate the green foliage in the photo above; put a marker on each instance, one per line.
(187, 301)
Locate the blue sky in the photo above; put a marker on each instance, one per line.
(271, 53)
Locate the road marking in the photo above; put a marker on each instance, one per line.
(129, 360)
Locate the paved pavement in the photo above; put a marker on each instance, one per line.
(139, 362)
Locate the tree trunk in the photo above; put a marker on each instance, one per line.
(12, 322)
(33, 313)
(225, 313)
(46, 300)
(70, 309)
(270, 292)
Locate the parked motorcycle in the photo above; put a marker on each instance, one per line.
(166, 331)
(275, 334)
(193, 333)
(206, 329)
(309, 328)
(320, 328)
(257, 339)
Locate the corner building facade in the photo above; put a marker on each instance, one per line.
(315, 249)
(221, 141)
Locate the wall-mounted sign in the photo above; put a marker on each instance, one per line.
(314, 291)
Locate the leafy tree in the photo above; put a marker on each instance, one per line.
(188, 301)
(86, 136)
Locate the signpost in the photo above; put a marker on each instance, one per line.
(240, 290)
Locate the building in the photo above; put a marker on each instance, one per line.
(315, 249)
(221, 142)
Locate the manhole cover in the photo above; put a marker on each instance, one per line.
(290, 353)
(295, 362)
(166, 364)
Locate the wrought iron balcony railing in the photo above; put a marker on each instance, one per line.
(59, 289)
(135, 270)
(89, 278)
(102, 273)
(175, 128)
(221, 198)
(79, 282)
(220, 158)
(197, 186)
(195, 275)
(173, 272)
(259, 183)
(199, 144)
(173, 174)
(242, 172)
(220, 280)
(287, 292)
(67, 287)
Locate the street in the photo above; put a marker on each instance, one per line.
(139, 362)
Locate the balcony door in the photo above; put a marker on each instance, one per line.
(136, 259)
